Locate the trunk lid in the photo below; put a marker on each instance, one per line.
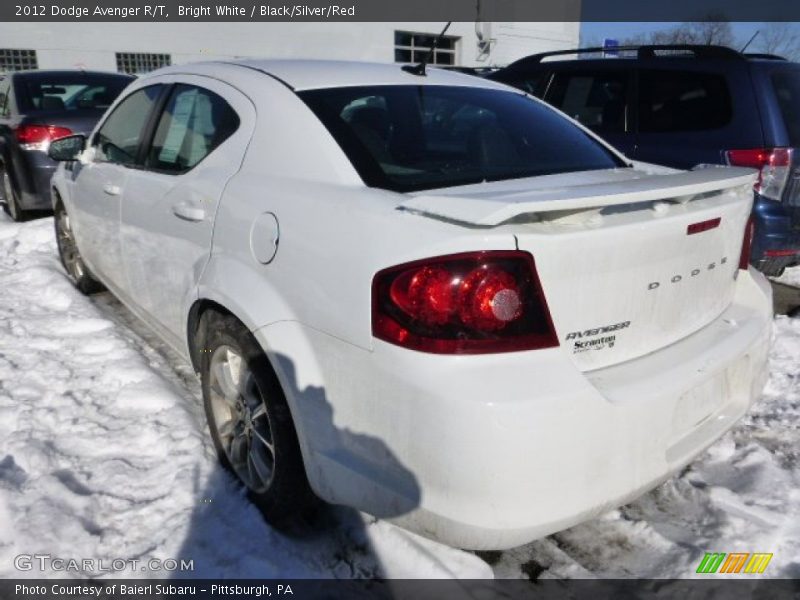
(78, 121)
(630, 260)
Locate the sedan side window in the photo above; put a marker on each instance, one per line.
(119, 138)
(194, 123)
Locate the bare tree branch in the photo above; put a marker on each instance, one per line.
(779, 38)
(714, 29)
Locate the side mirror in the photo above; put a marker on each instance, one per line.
(66, 148)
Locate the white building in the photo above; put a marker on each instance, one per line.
(141, 46)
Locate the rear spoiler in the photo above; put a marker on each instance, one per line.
(484, 209)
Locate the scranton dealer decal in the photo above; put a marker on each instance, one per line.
(587, 339)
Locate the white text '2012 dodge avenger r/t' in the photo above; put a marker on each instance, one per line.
(429, 297)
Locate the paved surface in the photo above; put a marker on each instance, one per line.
(786, 299)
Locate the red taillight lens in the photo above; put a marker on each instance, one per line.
(489, 299)
(747, 242)
(781, 253)
(472, 303)
(426, 292)
(39, 136)
(773, 165)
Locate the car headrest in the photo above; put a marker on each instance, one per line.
(51, 103)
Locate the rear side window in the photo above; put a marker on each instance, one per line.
(194, 122)
(532, 82)
(787, 90)
(683, 101)
(69, 92)
(408, 137)
(595, 99)
(118, 139)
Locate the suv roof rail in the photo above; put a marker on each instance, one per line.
(482, 70)
(643, 51)
(764, 55)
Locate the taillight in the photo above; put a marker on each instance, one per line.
(38, 137)
(773, 165)
(747, 243)
(471, 303)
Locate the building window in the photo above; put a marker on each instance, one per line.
(141, 62)
(412, 47)
(17, 60)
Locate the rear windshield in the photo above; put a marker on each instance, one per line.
(787, 90)
(68, 92)
(407, 138)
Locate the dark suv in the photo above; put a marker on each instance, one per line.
(35, 108)
(686, 105)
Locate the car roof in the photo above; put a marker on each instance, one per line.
(301, 74)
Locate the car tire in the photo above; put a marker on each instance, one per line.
(11, 205)
(249, 419)
(70, 256)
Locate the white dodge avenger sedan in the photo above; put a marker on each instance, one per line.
(429, 297)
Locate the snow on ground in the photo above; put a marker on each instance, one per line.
(104, 454)
(790, 276)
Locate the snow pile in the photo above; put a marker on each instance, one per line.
(791, 276)
(104, 454)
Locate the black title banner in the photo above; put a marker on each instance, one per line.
(401, 10)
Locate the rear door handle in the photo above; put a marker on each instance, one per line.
(188, 212)
(112, 190)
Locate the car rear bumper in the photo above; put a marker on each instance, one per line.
(777, 233)
(494, 451)
(34, 184)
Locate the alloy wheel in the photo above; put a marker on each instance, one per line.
(8, 194)
(241, 419)
(67, 246)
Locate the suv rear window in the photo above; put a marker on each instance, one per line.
(68, 91)
(671, 100)
(596, 99)
(407, 138)
(787, 90)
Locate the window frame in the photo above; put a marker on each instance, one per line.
(146, 59)
(426, 49)
(27, 62)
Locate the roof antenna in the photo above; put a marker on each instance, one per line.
(419, 69)
(749, 41)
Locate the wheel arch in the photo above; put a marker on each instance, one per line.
(195, 334)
